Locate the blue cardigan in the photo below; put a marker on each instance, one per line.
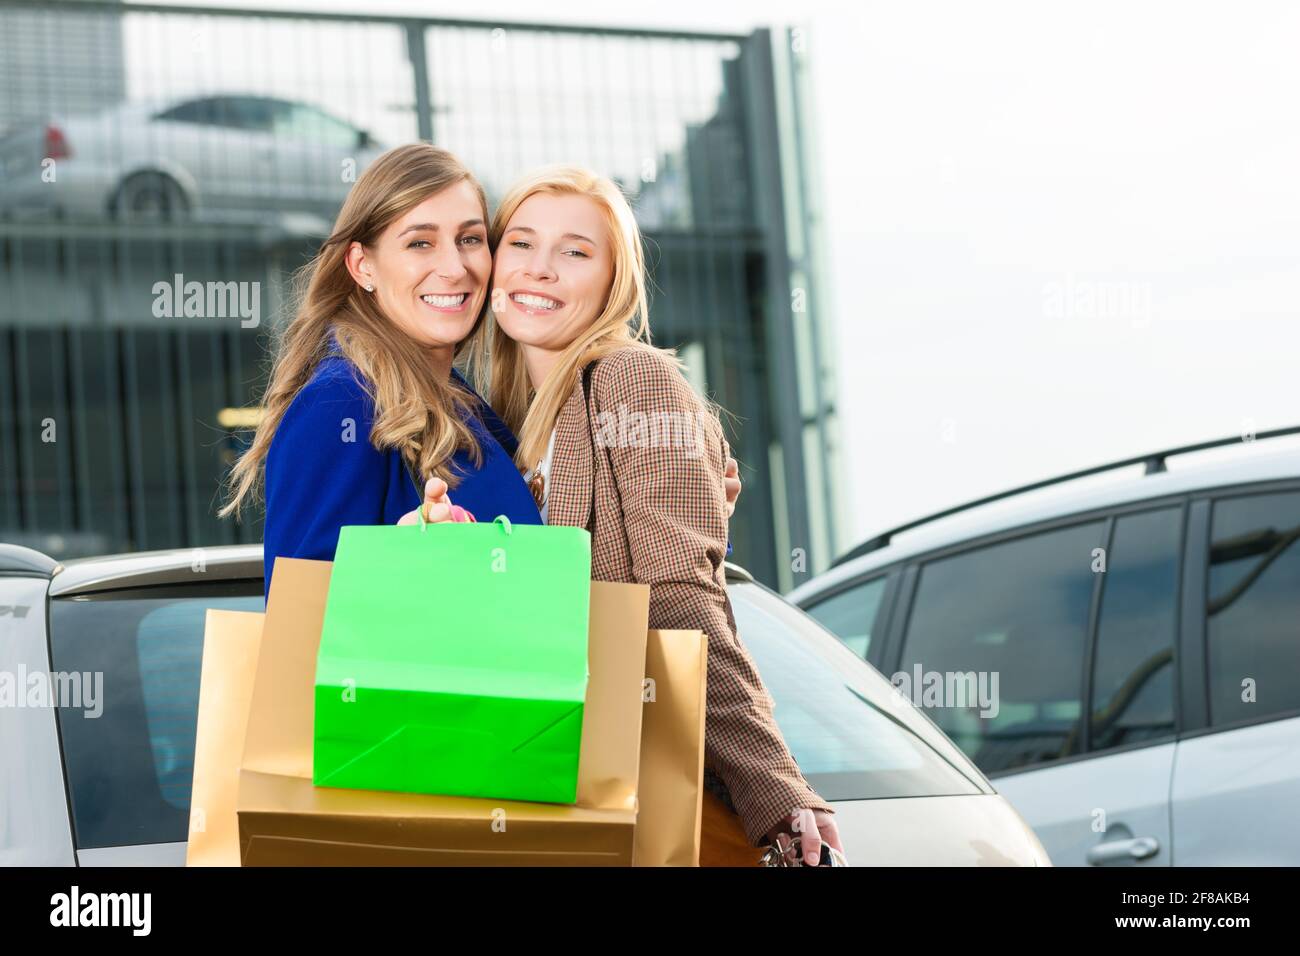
(322, 472)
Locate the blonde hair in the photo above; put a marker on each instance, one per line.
(623, 321)
(415, 411)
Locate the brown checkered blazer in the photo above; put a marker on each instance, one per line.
(661, 520)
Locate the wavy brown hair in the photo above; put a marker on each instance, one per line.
(416, 412)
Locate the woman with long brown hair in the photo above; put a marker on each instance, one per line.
(364, 413)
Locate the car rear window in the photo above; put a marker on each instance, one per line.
(129, 769)
(851, 614)
(1253, 609)
(848, 745)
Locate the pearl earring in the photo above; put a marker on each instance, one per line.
(370, 288)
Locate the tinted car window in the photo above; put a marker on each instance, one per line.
(297, 121)
(830, 714)
(851, 615)
(1253, 612)
(129, 769)
(1133, 671)
(254, 113)
(1017, 613)
(230, 112)
(206, 111)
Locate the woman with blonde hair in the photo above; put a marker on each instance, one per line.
(613, 439)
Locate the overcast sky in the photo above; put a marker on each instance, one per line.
(1059, 234)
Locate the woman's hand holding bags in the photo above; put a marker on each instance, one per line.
(437, 507)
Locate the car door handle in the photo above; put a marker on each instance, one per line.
(1118, 851)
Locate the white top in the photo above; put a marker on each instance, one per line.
(545, 469)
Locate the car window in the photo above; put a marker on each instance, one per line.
(1133, 669)
(253, 113)
(298, 121)
(1253, 607)
(994, 645)
(206, 112)
(848, 745)
(851, 614)
(129, 769)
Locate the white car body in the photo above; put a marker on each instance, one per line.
(1208, 793)
(114, 791)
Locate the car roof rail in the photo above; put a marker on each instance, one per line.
(1154, 462)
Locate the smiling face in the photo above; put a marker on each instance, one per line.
(553, 270)
(430, 267)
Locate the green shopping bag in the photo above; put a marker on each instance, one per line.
(453, 660)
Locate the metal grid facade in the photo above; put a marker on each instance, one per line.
(176, 145)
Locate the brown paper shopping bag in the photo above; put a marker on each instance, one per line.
(230, 644)
(672, 750)
(285, 820)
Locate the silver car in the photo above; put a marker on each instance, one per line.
(1142, 634)
(223, 157)
(104, 778)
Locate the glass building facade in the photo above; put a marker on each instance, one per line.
(147, 149)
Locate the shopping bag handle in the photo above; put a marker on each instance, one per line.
(501, 520)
